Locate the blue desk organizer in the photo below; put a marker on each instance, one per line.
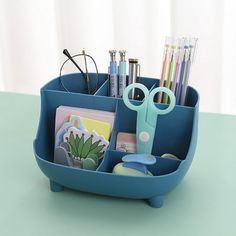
(176, 133)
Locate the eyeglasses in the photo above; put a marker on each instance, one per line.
(84, 75)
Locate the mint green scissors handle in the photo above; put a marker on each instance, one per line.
(147, 114)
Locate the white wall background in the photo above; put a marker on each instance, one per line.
(33, 34)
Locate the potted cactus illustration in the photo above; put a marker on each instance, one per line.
(85, 145)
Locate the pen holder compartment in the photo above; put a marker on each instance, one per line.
(176, 133)
(192, 97)
(50, 100)
(148, 82)
(75, 83)
(173, 131)
(103, 90)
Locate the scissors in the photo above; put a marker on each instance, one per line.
(147, 114)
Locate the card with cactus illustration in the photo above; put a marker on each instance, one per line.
(84, 143)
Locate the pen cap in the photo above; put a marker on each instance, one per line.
(177, 49)
(181, 42)
(193, 48)
(168, 41)
(168, 45)
(172, 48)
(186, 49)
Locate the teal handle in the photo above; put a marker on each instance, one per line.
(147, 115)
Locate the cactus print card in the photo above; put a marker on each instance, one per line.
(84, 143)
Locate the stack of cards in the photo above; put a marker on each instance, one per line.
(81, 139)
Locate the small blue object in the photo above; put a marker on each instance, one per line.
(138, 161)
(145, 159)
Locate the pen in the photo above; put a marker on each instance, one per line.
(192, 46)
(122, 73)
(178, 58)
(113, 83)
(170, 72)
(165, 67)
(134, 74)
(182, 74)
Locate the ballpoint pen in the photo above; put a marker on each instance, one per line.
(113, 81)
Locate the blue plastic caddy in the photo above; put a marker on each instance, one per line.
(176, 133)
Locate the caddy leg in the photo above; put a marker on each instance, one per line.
(55, 187)
(156, 201)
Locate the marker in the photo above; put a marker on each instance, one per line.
(113, 81)
(122, 73)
